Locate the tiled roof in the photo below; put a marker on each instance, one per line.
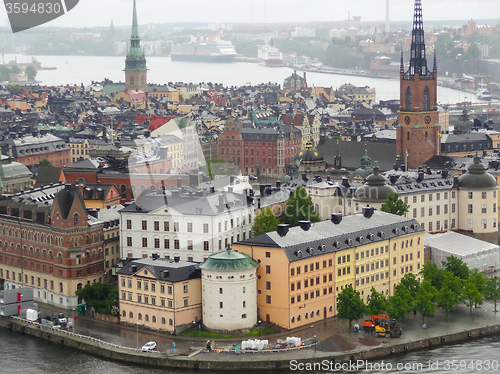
(172, 271)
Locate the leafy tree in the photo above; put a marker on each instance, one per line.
(31, 73)
(264, 222)
(493, 291)
(350, 306)
(430, 271)
(45, 162)
(424, 300)
(102, 296)
(456, 266)
(446, 299)
(400, 304)
(376, 303)
(300, 207)
(395, 205)
(410, 282)
(471, 295)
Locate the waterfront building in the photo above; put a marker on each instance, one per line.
(418, 130)
(190, 222)
(110, 216)
(50, 244)
(303, 268)
(135, 63)
(160, 294)
(229, 291)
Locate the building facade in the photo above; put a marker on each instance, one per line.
(303, 268)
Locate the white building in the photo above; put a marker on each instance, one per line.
(302, 32)
(190, 222)
(229, 291)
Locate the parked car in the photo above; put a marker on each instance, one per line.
(148, 347)
(253, 177)
(62, 319)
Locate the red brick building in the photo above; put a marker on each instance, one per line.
(49, 243)
(418, 131)
(259, 150)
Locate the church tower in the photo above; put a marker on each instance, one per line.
(135, 63)
(418, 130)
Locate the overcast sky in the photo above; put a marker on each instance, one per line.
(101, 12)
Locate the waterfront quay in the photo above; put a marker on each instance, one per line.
(461, 327)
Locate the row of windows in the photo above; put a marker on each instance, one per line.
(146, 318)
(308, 282)
(373, 252)
(176, 243)
(189, 225)
(311, 295)
(309, 315)
(372, 278)
(316, 266)
(438, 197)
(19, 278)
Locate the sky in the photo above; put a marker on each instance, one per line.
(93, 13)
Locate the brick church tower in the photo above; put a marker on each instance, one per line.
(135, 63)
(418, 130)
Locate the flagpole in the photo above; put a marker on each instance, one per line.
(406, 160)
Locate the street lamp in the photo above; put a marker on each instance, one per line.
(259, 325)
(314, 343)
(194, 329)
(137, 334)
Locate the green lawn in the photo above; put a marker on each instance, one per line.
(206, 334)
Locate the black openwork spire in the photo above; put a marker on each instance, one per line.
(435, 66)
(418, 61)
(402, 66)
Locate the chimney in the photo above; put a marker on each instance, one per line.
(155, 256)
(429, 172)
(268, 189)
(278, 184)
(420, 177)
(133, 268)
(304, 177)
(336, 218)
(177, 258)
(193, 180)
(231, 179)
(283, 229)
(395, 167)
(230, 189)
(345, 183)
(368, 211)
(403, 167)
(305, 225)
(212, 189)
(444, 173)
(179, 182)
(394, 178)
(221, 200)
(262, 189)
(328, 179)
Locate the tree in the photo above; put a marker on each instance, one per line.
(31, 73)
(456, 266)
(376, 303)
(45, 162)
(431, 272)
(349, 305)
(471, 295)
(400, 304)
(395, 205)
(450, 292)
(410, 282)
(424, 300)
(264, 222)
(101, 296)
(300, 207)
(493, 291)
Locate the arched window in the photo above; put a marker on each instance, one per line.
(408, 135)
(61, 287)
(132, 80)
(427, 99)
(123, 191)
(146, 317)
(170, 322)
(426, 136)
(154, 319)
(408, 99)
(163, 320)
(139, 316)
(79, 286)
(124, 313)
(75, 219)
(131, 315)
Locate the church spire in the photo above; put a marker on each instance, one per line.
(135, 26)
(402, 66)
(434, 67)
(418, 61)
(135, 63)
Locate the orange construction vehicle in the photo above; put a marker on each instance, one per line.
(369, 324)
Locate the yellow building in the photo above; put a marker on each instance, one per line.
(159, 92)
(80, 148)
(303, 268)
(160, 294)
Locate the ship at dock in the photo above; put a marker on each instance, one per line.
(269, 55)
(204, 51)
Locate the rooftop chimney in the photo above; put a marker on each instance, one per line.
(177, 258)
(429, 172)
(395, 167)
(278, 184)
(336, 218)
(283, 229)
(304, 177)
(345, 183)
(179, 182)
(328, 179)
(231, 179)
(262, 189)
(230, 189)
(444, 173)
(394, 178)
(403, 167)
(155, 256)
(368, 211)
(193, 180)
(420, 177)
(305, 225)
(212, 189)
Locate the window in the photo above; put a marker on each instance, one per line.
(157, 242)
(483, 223)
(156, 226)
(438, 196)
(414, 212)
(483, 208)
(144, 225)
(430, 226)
(166, 226)
(438, 210)
(483, 195)
(268, 269)
(469, 224)
(205, 228)
(268, 285)
(176, 226)
(75, 219)
(190, 245)
(185, 288)
(414, 199)
(470, 194)
(446, 209)
(176, 244)
(469, 208)
(129, 241)
(422, 212)
(422, 198)
(452, 223)
(190, 227)
(453, 208)
(430, 197)
(144, 242)
(129, 224)
(206, 245)
(430, 211)
(166, 243)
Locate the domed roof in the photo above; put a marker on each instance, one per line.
(11, 169)
(228, 261)
(365, 169)
(309, 155)
(477, 176)
(375, 188)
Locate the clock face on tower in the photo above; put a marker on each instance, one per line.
(427, 119)
(407, 120)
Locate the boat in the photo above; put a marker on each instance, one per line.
(483, 93)
(269, 55)
(209, 51)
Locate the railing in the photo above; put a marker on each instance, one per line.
(84, 337)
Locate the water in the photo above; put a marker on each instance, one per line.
(85, 69)
(25, 354)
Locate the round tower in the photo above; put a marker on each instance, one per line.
(229, 291)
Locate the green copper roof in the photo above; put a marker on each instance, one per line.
(135, 26)
(228, 261)
(135, 59)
